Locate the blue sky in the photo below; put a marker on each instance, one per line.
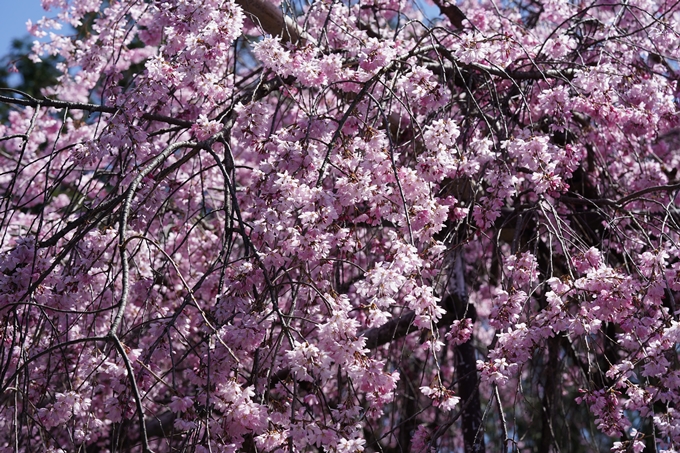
(15, 13)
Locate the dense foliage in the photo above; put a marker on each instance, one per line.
(342, 226)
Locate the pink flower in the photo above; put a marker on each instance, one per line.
(179, 405)
(441, 397)
(461, 331)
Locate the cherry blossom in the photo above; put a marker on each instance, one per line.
(248, 225)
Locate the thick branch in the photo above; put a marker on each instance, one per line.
(455, 15)
(391, 330)
(273, 21)
(398, 328)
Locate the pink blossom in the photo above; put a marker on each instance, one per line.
(180, 404)
(323, 227)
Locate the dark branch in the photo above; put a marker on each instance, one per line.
(33, 102)
(454, 14)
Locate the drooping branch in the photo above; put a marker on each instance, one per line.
(122, 228)
(135, 392)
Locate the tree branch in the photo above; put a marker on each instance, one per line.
(621, 202)
(273, 21)
(454, 14)
(33, 102)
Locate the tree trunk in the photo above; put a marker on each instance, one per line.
(468, 390)
(466, 362)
